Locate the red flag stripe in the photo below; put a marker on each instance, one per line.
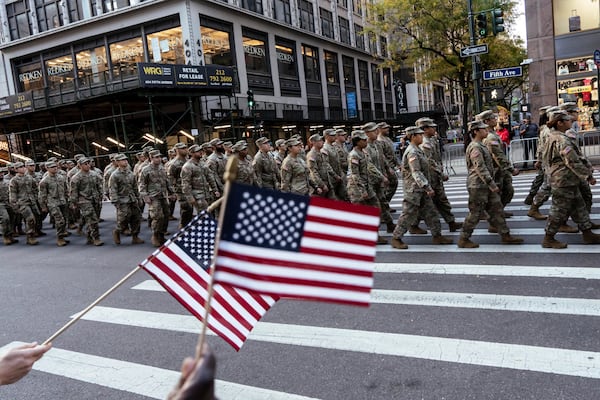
(340, 223)
(344, 206)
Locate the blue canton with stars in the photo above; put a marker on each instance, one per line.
(198, 239)
(264, 218)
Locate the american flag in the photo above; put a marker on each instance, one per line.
(182, 267)
(295, 246)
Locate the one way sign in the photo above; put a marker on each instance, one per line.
(510, 72)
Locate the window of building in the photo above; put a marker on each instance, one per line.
(29, 76)
(281, 11)
(357, 6)
(359, 37)
(387, 79)
(59, 71)
(326, 23)
(92, 65)
(307, 15)
(348, 67)
(286, 58)
(253, 5)
(75, 9)
(575, 15)
(376, 77)
(383, 43)
(342, 3)
(18, 19)
(49, 14)
(166, 46)
(125, 55)
(255, 51)
(363, 74)
(113, 5)
(344, 30)
(217, 42)
(310, 57)
(372, 43)
(331, 67)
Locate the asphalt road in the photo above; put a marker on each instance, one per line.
(498, 322)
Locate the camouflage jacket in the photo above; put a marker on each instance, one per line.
(20, 191)
(265, 170)
(84, 188)
(174, 173)
(496, 149)
(565, 167)
(359, 185)
(415, 170)
(318, 168)
(154, 183)
(122, 187)
(388, 151)
(330, 154)
(216, 163)
(294, 175)
(434, 158)
(245, 173)
(343, 157)
(53, 191)
(197, 182)
(480, 166)
(4, 192)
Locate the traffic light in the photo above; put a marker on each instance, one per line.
(482, 24)
(250, 94)
(497, 21)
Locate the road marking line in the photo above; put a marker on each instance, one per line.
(489, 248)
(500, 355)
(140, 379)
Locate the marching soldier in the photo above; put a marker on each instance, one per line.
(217, 161)
(383, 136)
(5, 222)
(245, 173)
(340, 147)
(22, 198)
(53, 196)
(198, 187)
(331, 156)
(84, 194)
(294, 173)
(265, 167)
(280, 153)
(318, 168)
(174, 173)
(123, 193)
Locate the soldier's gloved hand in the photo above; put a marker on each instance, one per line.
(592, 180)
(430, 192)
(515, 172)
(495, 189)
(537, 165)
(445, 177)
(147, 199)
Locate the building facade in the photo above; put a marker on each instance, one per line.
(563, 67)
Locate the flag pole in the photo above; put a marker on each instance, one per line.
(211, 207)
(230, 174)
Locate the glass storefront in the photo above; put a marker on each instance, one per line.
(216, 46)
(59, 71)
(125, 55)
(577, 82)
(255, 54)
(92, 65)
(29, 77)
(166, 46)
(575, 15)
(286, 60)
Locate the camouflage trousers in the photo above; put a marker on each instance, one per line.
(543, 193)
(340, 189)
(386, 216)
(415, 205)
(390, 191)
(129, 216)
(441, 202)
(480, 200)
(504, 181)
(89, 217)
(567, 201)
(30, 214)
(158, 210)
(537, 182)
(5, 221)
(58, 214)
(186, 211)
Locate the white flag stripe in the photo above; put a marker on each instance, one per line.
(500, 355)
(342, 247)
(353, 233)
(494, 270)
(272, 254)
(220, 290)
(343, 216)
(295, 273)
(140, 379)
(292, 290)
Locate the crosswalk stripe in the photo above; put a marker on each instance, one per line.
(484, 232)
(144, 380)
(550, 305)
(490, 248)
(500, 355)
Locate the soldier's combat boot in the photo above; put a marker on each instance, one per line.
(399, 244)
(568, 229)
(390, 227)
(441, 240)
(381, 240)
(127, 232)
(550, 243)
(8, 240)
(60, 242)
(508, 214)
(529, 199)
(534, 212)
(31, 240)
(136, 240)
(156, 240)
(508, 239)
(595, 225)
(417, 230)
(492, 229)
(454, 226)
(466, 244)
(590, 237)
(116, 236)
(98, 242)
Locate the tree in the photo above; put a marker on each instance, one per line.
(434, 31)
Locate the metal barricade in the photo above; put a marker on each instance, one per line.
(454, 157)
(522, 153)
(590, 146)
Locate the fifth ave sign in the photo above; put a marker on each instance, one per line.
(510, 72)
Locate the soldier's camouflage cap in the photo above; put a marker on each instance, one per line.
(155, 153)
(561, 115)
(329, 132)
(340, 131)
(487, 114)
(239, 146)
(29, 163)
(53, 159)
(569, 107)
(280, 142)
(78, 156)
(383, 125)
(18, 164)
(3, 169)
(147, 149)
(296, 136)
(369, 126)
(261, 140)
(119, 157)
(293, 142)
(552, 110)
(51, 164)
(70, 161)
(180, 146)
(543, 109)
(216, 142)
(425, 122)
(227, 144)
(111, 157)
(359, 133)
(194, 148)
(315, 138)
(412, 130)
(476, 125)
(83, 160)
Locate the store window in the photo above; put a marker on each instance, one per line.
(113, 5)
(363, 74)
(307, 15)
(75, 9)
(125, 55)
(166, 46)
(29, 76)
(49, 14)
(348, 67)
(217, 43)
(326, 23)
(92, 66)
(575, 66)
(376, 77)
(18, 19)
(359, 37)
(255, 52)
(286, 59)
(331, 67)
(383, 43)
(281, 11)
(575, 15)
(344, 30)
(253, 5)
(310, 57)
(59, 71)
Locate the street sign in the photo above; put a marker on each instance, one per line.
(509, 72)
(474, 50)
(597, 57)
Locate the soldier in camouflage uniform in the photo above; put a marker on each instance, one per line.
(123, 193)
(360, 186)
(5, 222)
(265, 168)
(383, 136)
(567, 173)
(342, 152)
(337, 176)
(417, 193)
(22, 199)
(245, 173)
(280, 153)
(539, 177)
(37, 177)
(198, 187)
(154, 187)
(294, 173)
(483, 190)
(174, 173)
(53, 195)
(83, 194)
(437, 177)
(217, 161)
(318, 168)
